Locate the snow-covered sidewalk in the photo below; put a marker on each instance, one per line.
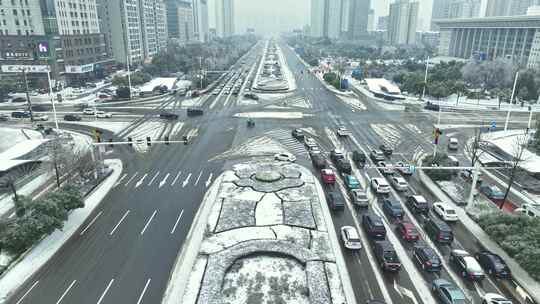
(38, 255)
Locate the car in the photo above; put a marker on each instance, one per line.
(314, 150)
(359, 158)
(194, 112)
(392, 208)
(374, 226)
(20, 114)
(88, 111)
(380, 186)
(343, 132)
(102, 114)
(432, 106)
(385, 168)
(359, 197)
(493, 264)
(350, 237)
(337, 154)
(492, 192)
(168, 116)
(448, 293)
(403, 168)
(335, 201)
(298, 134)
(386, 256)
(41, 117)
(309, 141)
(318, 161)
(72, 117)
(438, 230)
(468, 174)
(417, 204)
(251, 96)
(215, 92)
(376, 155)
(399, 183)
(287, 157)
(328, 177)
(445, 211)
(18, 99)
(493, 298)
(427, 258)
(466, 265)
(386, 150)
(407, 231)
(351, 182)
(344, 166)
(453, 144)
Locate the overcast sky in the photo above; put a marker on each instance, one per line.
(274, 16)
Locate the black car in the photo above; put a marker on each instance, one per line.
(493, 264)
(393, 208)
(335, 201)
(18, 99)
(344, 166)
(427, 258)
(72, 117)
(417, 204)
(359, 158)
(386, 256)
(386, 150)
(374, 226)
(319, 162)
(169, 116)
(439, 231)
(20, 114)
(194, 112)
(431, 106)
(298, 134)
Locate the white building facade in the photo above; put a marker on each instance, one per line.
(224, 18)
(402, 22)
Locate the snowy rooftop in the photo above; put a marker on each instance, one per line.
(507, 142)
(22, 148)
(169, 82)
(265, 238)
(11, 136)
(382, 86)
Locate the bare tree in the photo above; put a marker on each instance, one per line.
(474, 148)
(520, 145)
(65, 159)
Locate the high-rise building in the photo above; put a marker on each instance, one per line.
(382, 23)
(224, 18)
(402, 22)
(358, 18)
(318, 12)
(63, 35)
(180, 21)
(509, 7)
(371, 21)
(445, 9)
(334, 18)
(200, 19)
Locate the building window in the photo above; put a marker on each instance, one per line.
(16, 22)
(14, 12)
(18, 32)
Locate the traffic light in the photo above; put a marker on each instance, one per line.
(148, 141)
(185, 138)
(130, 141)
(97, 135)
(166, 140)
(110, 143)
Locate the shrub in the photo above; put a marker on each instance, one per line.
(442, 160)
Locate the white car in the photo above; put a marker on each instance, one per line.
(88, 111)
(399, 183)
(343, 132)
(310, 142)
(350, 238)
(493, 298)
(41, 118)
(445, 211)
(101, 114)
(379, 185)
(288, 157)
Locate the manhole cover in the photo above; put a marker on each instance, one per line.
(268, 176)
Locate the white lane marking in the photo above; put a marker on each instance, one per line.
(92, 222)
(66, 292)
(186, 181)
(120, 180)
(129, 180)
(139, 301)
(153, 179)
(198, 178)
(209, 180)
(176, 178)
(177, 221)
(164, 180)
(105, 291)
(148, 222)
(141, 180)
(119, 222)
(27, 292)
(397, 288)
(12, 215)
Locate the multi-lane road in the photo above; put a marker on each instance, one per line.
(125, 251)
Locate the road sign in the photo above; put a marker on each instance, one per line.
(493, 125)
(412, 168)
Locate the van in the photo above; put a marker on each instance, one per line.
(439, 231)
(386, 256)
(453, 144)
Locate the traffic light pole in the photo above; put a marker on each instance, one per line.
(436, 144)
(28, 96)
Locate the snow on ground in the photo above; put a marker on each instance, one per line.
(247, 102)
(195, 280)
(269, 211)
(413, 128)
(276, 115)
(353, 101)
(219, 241)
(5, 259)
(258, 146)
(192, 102)
(388, 133)
(508, 141)
(160, 81)
(152, 129)
(334, 282)
(274, 107)
(455, 191)
(80, 142)
(22, 148)
(6, 200)
(176, 129)
(112, 126)
(273, 96)
(285, 69)
(11, 136)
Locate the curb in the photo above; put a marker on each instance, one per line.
(37, 256)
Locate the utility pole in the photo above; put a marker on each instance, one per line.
(28, 96)
(129, 75)
(476, 173)
(436, 144)
(425, 79)
(201, 74)
(52, 99)
(511, 102)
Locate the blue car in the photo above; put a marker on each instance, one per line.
(352, 182)
(492, 192)
(448, 293)
(393, 208)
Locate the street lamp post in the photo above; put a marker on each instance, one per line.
(129, 75)
(52, 99)
(511, 102)
(28, 96)
(425, 78)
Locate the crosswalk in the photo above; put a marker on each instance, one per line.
(160, 180)
(285, 138)
(299, 102)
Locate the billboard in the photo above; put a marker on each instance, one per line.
(43, 49)
(16, 68)
(79, 69)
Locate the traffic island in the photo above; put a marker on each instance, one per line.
(263, 234)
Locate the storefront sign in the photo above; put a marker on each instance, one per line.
(79, 69)
(26, 68)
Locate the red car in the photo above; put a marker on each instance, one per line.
(328, 176)
(408, 232)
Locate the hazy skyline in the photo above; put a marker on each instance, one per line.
(271, 18)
